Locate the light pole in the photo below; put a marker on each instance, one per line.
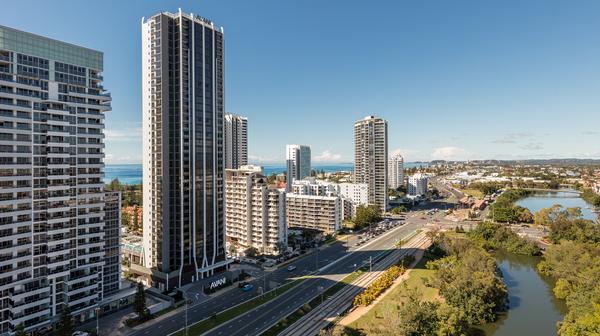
(187, 304)
(320, 289)
(317, 260)
(97, 310)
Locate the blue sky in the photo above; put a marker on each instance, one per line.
(454, 79)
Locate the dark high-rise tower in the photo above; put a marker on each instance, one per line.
(182, 60)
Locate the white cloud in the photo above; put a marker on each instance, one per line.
(132, 132)
(449, 153)
(264, 159)
(407, 154)
(512, 138)
(115, 159)
(532, 146)
(328, 156)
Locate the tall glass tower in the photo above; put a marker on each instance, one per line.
(183, 162)
(53, 241)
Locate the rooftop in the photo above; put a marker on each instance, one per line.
(35, 45)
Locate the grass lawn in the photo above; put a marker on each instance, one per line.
(473, 192)
(218, 319)
(374, 320)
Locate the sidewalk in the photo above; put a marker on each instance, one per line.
(356, 313)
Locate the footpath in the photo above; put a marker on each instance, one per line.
(356, 313)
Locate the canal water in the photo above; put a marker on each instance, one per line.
(566, 198)
(533, 309)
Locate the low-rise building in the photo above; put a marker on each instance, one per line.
(417, 184)
(254, 213)
(357, 192)
(322, 213)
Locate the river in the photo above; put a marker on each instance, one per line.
(533, 309)
(567, 198)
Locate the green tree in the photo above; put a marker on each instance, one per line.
(251, 252)
(139, 303)
(366, 215)
(65, 324)
(20, 330)
(416, 317)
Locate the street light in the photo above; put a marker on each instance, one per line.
(97, 310)
(320, 289)
(187, 303)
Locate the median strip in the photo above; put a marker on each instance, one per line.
(217, 319)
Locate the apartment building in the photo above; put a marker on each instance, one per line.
(183, 156)
(321, 213)
(53, 239)
(236, 141)
(357, 192)
(254, 212)
(298, 162)
(112, 243)
(370, 158)
(395, 171)
(417, 184)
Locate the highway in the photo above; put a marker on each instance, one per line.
(260, 319)
(320, 317)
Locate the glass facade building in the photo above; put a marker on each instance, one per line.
(52, 201)
(183, 155)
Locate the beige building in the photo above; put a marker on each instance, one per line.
(322, 213)
(370, 158)
(254, 213)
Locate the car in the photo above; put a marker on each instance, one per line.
(247, 287)
(291, 268)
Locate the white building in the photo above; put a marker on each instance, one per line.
(183, 155)
(417, 184)
(395, 171)
(370, 158)
(254, 213)
(53, 245)
(322, 213)
(297, 158)
(235, 141)
(357, 192)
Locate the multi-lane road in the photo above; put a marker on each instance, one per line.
(272, 311)
(320, 317)
(259, 320)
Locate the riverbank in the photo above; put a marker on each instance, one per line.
(532, 306)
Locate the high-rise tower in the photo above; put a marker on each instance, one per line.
(298, 163)
(236, 141)
(182, 74)
(395, 171)
(370, 158)
(52, 201)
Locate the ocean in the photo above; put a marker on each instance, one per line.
(132, 173)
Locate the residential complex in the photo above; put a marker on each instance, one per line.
(236, 141)
(321, 213)
(112, 243)
(395, 171)
(297, 158)
(254, 213)
(370, 158)
(357, 192)
(417, 184)
(312, 203)
(183, 159)
(55, 247)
